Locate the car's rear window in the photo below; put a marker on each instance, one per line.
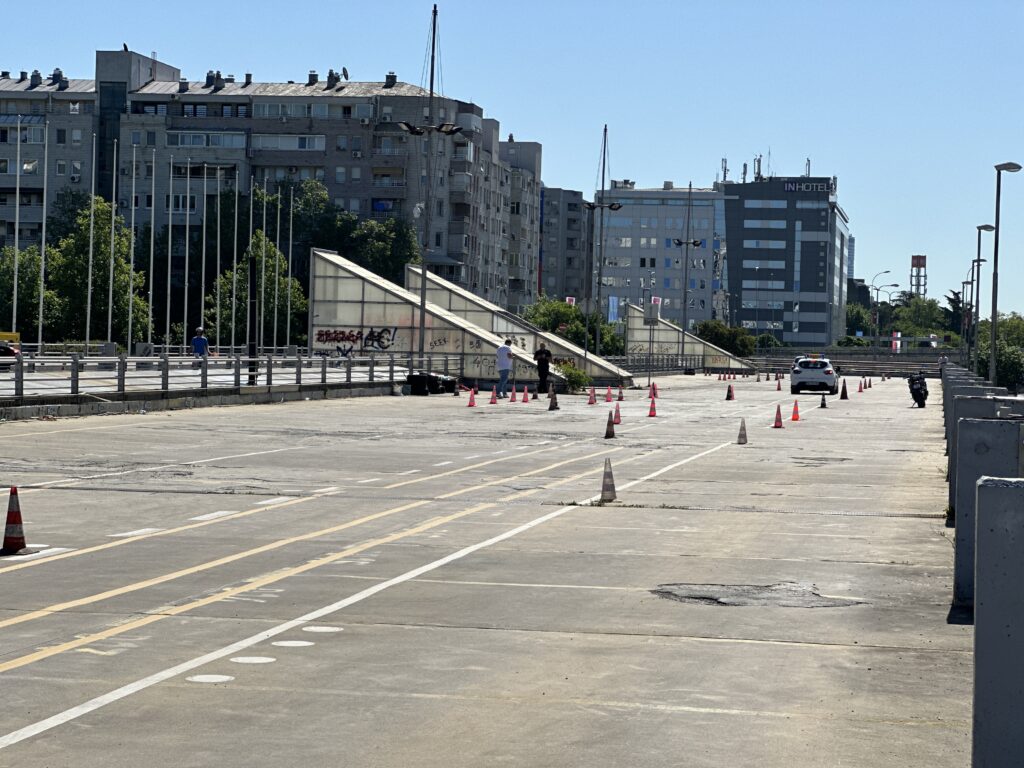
(813, 364)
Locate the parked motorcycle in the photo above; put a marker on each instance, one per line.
(918, 389)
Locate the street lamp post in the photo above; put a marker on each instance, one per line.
(600, 246)
(888, 294)
(965, 318)
(871, 285)
(1009, 167)
(880, 289)
(978, 261)
(685, 246)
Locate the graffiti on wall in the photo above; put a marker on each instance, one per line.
(346, 341)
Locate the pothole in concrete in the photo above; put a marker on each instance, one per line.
(786, 594)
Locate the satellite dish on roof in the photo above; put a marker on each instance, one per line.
(344, 72)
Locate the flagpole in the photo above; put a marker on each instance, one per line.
(291, 230)
(17, 227)
(170, 244)
(188, 219)
(263, 271)
(42, 249)
(202, 271)
(113, 219)
(234, 265)
(152, 246)
(218, 259)
(277, 264)
(92, 229)
(250, 328)
(131, 261)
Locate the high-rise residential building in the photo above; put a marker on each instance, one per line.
(240, 133)
(851, 242)
(667, 243)
(788, 251)
(565, 243)
(524, 160)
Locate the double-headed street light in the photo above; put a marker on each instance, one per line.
(871, 286)
(686, 245)
(600, 276)
(1009, 167)
(881, 289)
(446, 129)
(976, 265)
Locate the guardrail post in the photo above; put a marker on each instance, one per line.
(74, 373)
(238, 370)
(348, 370)
(165, 372)
(204, 370)
(430, 362)
(446, 365)
(19, 376)
(410, 361)
(391, 368)
(323, 369)
(270, 371)
(122, 369)
(298, 369)
(372, 361)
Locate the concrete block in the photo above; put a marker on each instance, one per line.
(998, 738)
(987, 447)
(954, 391)
(969, 407)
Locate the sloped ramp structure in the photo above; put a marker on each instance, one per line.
(354, 312)
(525, 335)
(668, 340)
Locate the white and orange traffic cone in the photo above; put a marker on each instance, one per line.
(653, 411)
(526, 394)
(796, 411)
(592, 400)
(608, 395)
(494, 396)
(778, 385)
(618, 417)
(512, 399)
(621, 398)
(14, 532)
(778, 418)
(472, 399)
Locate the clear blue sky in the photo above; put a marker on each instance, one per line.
(909, 103)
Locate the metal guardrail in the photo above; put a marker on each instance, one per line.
(51, 375)
(643, 362)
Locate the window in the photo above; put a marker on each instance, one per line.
(811, 204)
(242, 110)
(622, 242)
(32, 134)
(764, 223)
(514, 209)
(147, 198)
(341, 142)
(62, 167)
(668, 263)
(357, 173)
(438, 239)
(770, 244)
(149, 170)
(76, 136)
(75, 108)
(229, 140)
(353, 204)
(179, 203)
(150, 138)
(666, 282)
(765, 203)
(319, 109)
(76, 167)
(136, 138)
(4, 165)
(30, 168)
(225, 110)
(339, 174)
(62, 136)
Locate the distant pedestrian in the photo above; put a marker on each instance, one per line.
(543, 358)
(504, 367)
(200, 344)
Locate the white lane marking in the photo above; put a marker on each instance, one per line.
(523, 447)
(159, 466)
(325, 490)
(293, 643)
(210, 679)
(474, 456)
(139, 532)
(49, 723)
(38, 555)
(369, 480)
(442, 464)
(410, 472)
(320, 629)
(214, 515)
(498, 453)
(274, 500)
(546, 442)
(253, 659)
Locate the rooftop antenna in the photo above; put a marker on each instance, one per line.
(744, 177)
(725, 169)
(344, 72)
(757, 169)
(807, 167)
(769, 162)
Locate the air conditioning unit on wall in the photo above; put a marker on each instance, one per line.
(364, 121)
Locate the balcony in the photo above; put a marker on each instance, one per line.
(459, 225)
(390, 151)
(388, 182)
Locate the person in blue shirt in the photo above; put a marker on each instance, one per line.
(200, 344)
(504, 367)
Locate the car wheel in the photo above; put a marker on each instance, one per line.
(794, 390)
(834, 390)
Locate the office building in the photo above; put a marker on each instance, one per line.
(565, 244)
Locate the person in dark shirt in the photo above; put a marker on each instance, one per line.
(543, 358)
(200, 344)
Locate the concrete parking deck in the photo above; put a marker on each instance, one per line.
(409, 581)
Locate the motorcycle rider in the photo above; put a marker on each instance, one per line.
(918, 388)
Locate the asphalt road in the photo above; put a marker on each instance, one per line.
(408, 581)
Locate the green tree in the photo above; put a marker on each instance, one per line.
(736, 341)
(1009, 362)
(767, 341)
(28, 294)
(920, 317)
(569, 322)
(67, 204)
(858, 318)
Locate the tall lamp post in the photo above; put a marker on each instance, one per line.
(685, 246)
(447, 129)
(966, 313)
(871, 285)
(600, 247)
(976, 301)
(1009, 167)
(888, 295)
(880, 289)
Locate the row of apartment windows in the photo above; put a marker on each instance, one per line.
(38, 107)
(649, 242)
(36, 134)
(623, 222)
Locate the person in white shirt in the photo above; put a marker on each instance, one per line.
(504, 367)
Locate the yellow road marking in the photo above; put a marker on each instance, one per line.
(145, 583)
(244, 513)
(271, 578)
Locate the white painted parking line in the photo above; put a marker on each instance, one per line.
(210, 679)
(214, 515)
(474, 456)
(327, 489)
(139, 532)
(253, 659)
(369, 480)
(523, 447)
(410, 472)
(322, 630)
(274, 500)
(293, 643)
(442, 464)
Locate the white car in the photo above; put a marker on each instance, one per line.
(813, 373)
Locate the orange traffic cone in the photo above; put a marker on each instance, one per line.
(14, 533)
(843, 395)
(728, 393)
(609, 430)
(869, 383)
(618, 417)
(860, 386)
(720, 376)
(778, 418)
(621, 398)
(608, 395)
(655, 385)
(592, 400)
(796, 411)
(526, 394)
(472, 399)
(512, 399)
(653, 411)
(494, 396)
(778, 385)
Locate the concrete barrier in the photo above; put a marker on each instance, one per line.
(986, 447)
(998, 739)
(970, 407)
(954, 391)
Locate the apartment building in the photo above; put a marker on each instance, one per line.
(565, 255)
(171, 133)
(523, 158)
(643, 257)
